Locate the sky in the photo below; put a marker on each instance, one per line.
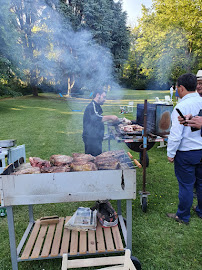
(133, 8)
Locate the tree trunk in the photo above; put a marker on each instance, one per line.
(35, 91)
(33, 82)
(70, 86)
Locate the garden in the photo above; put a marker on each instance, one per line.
(49, 124)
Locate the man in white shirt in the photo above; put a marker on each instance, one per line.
(185, 149)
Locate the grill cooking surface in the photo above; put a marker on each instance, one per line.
(122, 132)
(114, 132)
(121, 157)
(126, 162)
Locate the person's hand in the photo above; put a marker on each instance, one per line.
(127, 121)
(114, 118)
(170, 159)
(195, 122)
(184, 122)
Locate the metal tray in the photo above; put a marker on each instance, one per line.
(7, 143)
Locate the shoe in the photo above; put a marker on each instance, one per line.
(107, 216)
(176, 218)
(194, 208)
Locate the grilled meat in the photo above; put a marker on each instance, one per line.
(117, 154)
(109, 160)
(38, 162)
(60, 160)
(31, 170)
(55, 169)
(130, 128)
(78, 157)
(107, 163)
(83, 166)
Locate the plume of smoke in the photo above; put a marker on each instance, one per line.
(46, 49)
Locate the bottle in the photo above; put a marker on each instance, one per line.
(3, 212)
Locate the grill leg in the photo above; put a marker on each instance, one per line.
(119, 207)
(129, 223)
(11, 231)
(31, 216)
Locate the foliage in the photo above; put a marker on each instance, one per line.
(168, 39)
(107, 23)
(68, 45)
(9, 83)
(20, 19)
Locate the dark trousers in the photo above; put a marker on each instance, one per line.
(93, 146)
(188, 170)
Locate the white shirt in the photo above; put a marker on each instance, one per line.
(171, 89)
(181, 137)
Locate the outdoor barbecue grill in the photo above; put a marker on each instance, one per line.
(48, 242)
(159, 122)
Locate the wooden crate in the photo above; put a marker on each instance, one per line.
(49, 241)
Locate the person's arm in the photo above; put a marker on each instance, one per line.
(175, 136)
(112, 118)
(95, 116)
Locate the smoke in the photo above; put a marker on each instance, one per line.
(47, 51)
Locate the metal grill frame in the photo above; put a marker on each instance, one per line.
(38, 189)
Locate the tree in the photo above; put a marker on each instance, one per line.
(120, 38)
(25, 22)
(169, 40)
(51, 51)
(132, 76)
(106, 21)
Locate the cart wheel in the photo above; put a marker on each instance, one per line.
(141, 159)
(136, 263)
(144, 204)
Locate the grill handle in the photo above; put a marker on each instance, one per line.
(135, 160)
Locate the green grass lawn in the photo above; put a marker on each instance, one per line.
(49, 125)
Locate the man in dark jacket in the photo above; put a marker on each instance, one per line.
(93, 124)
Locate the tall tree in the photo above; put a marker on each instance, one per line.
(49, 50)
(106, 21)
(132, 76)
(26, 22)
(169, 39)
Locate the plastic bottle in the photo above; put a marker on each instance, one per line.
(3, 212)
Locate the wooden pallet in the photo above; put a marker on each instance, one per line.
(54, 240)
(119, 262)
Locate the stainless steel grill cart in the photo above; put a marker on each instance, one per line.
(51, 241)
